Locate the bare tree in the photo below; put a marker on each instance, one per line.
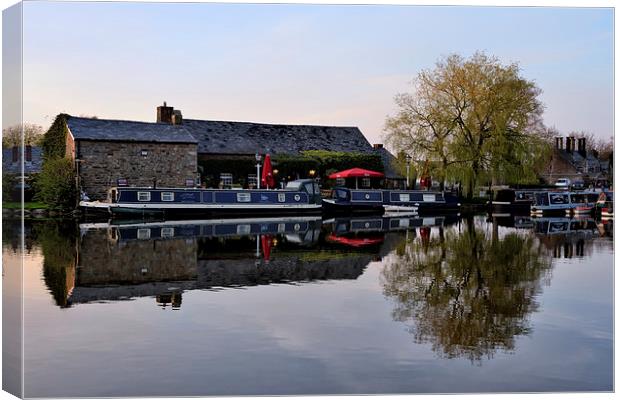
(12, 136)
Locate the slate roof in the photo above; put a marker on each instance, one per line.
(128, 131)
(8, 165)
(225, 137)
(228, 137)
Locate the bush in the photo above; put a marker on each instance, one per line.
(56, 183)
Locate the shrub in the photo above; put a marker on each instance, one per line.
(56, 183)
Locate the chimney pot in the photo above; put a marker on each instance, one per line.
(378, 145)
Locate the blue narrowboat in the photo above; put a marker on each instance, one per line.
(345, 200)
(300, 196)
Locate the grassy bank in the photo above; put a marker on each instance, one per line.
(28, 206)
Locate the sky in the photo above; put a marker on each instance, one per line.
(300, 64)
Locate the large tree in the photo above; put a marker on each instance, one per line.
(475, 118)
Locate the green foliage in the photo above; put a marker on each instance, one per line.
(8, 184)
(55, 139)
(475, 120)
(338, 160)
(56, 183)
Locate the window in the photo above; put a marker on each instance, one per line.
(366, 182)
(281, 197)
(144, 233)
(144, 196)
(29, 153)
(226, 179)
(167, 196)
(252, 181)
(167, 232)
(340, 181)
(15, 153)
(243, 197)
(144, 153)
(190, 182)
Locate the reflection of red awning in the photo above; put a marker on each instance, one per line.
(354, 242)
(356, 173)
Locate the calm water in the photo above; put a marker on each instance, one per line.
(306, 306)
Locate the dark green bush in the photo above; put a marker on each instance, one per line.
(56, 183)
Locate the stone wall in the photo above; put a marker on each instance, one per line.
(103, 162)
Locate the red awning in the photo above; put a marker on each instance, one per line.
(356, 173)
(354, 242)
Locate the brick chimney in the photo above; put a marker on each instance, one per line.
(377, 146)
(164, 114)
(570, 144)
(177, 118)
(581, 146)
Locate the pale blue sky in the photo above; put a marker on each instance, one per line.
(300, 64)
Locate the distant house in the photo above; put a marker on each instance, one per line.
(11, 158)
(571, 159)
(169, 152)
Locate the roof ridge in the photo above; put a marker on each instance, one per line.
(271, 124)
(121, 120)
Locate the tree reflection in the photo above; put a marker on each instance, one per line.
(467, 293)
(58, 246)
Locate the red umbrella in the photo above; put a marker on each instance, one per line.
(356, 173)
(267, 179)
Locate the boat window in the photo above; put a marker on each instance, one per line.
(167, 196)
(341, 194)
(366, 182)
(340, 181)
(294, 185)
(167, 232)
(243, 197)
(144, 196)
(316, 188)
(281, 197)
(404, 197)
(143, 233)
(428, 197)
(558, 198)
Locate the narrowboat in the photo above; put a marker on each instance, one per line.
(585, 203)
(564, 226)
(299, 229)
(300, 196)
(513, 201)
(347, 201)
(550, 202)
(605, 204)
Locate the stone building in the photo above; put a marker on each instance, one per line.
(169, 152)
(110, 153)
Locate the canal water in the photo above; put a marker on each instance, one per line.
(310, 306)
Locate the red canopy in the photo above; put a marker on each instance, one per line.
(265, 241)
(356, 173)
(354, 242)
(267, 179)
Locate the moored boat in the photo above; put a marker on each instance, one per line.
(605, 204)
(300, 196)
(376, 201)
(513, 201)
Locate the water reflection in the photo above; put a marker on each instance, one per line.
(468, 287)
(466, 291)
